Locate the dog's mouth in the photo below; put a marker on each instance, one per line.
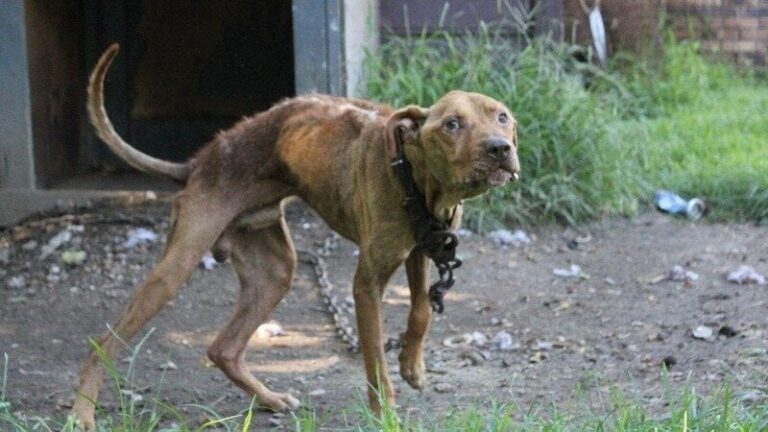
(491, 177)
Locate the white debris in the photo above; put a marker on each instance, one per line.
(134, 396)
(318, 392)
(573, 271)
(702, 332)
(504, 342)
(464, 233)
(507, 238)
(680, 274)
(208, 261)
(475, 338)
(74, 257)
(16, 282)
(745, 275)
(30, 245)
(5, 255)
(169, 365)
(64, 236)
(269, 329)
(139, 236)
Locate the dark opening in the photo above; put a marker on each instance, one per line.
(186, 69)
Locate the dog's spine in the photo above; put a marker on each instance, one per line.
(105, 130)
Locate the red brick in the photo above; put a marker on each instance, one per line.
(742, 23)
(739, 46)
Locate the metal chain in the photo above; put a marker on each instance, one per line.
(332, 304)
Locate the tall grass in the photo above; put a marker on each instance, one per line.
(566, 175)
(593, 141)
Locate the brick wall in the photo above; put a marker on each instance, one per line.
(733, 29)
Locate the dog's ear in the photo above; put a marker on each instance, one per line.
(403, 127)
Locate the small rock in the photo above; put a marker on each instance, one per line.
(464, 233)
(208, 261)
(16, 282)
(134, 396)
(702, 332)
(474, 357)
(573, 271)
(318, 392)
(745, 275)
(504, 341)
(74, 257)
(444, 387)
(139, 236)
(269, 329)
(30, 245)
(64, 236)
(543, 345)
(505, 238)
(495, 321)
(275, 421)
(668, 362)
(727, 331)
(537, 357)
(5, 255)
(680, 274)
(169, 365)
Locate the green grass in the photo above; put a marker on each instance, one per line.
(596, 142)
(685, 411)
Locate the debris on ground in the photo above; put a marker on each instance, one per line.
(746, 275)
(464, 233)
(702, 332)
(208, 261)
(444, 387)
(139, 236)
(269, 329)
(573, 271)
(504, 341)
(680, 274)
(16, 282)
(64, 236)
(475, 338)
(74, 257)
(169, 365)
(506, 238)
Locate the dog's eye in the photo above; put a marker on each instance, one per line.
(503, 118)
(452, 125)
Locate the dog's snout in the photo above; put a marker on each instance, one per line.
(498, 149)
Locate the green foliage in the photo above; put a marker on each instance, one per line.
(594, 142)
(566, 175)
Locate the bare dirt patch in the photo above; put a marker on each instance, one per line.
(573, 339)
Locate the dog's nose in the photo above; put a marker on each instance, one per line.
(498, 149)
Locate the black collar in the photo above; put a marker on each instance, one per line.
(434, 238)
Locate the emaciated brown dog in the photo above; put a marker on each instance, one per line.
(335, 154)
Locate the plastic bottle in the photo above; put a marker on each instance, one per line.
(670, 202)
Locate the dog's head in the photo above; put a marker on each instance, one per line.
(468, 141)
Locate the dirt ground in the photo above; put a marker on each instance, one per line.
(573, 339)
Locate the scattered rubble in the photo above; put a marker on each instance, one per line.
(573, 271)
(745, 275)
(702, 332)
(506, 238)
(680, 274)
(137, 236)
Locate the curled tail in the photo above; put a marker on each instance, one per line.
(105, 130)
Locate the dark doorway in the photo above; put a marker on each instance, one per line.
(186, 69)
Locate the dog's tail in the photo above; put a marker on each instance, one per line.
(105, 130)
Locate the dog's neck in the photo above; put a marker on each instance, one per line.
(441, 200)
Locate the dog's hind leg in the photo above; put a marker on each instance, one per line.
(264, 260)
(197, 221)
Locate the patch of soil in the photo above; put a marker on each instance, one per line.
(573, 339)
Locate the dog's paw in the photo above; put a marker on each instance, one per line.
(80, 422)
(278, 402)
(412, 370)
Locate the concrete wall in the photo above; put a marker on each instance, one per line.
(361, 33)
(16, 163)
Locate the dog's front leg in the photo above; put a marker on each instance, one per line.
(412, 356)
(369, 284)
